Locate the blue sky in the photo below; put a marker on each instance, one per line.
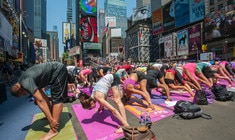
(56, 14)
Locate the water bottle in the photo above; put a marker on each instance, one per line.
(142, 117)
(147, 118)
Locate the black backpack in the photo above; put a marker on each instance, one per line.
(188, 110)
(221, 93)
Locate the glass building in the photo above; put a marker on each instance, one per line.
(117, 8)
(36, 17)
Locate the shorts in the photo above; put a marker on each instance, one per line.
(59, 88)
(140, 75)
(169, 81)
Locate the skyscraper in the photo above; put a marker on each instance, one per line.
(117, 8)
(36, 17)
(140, 3)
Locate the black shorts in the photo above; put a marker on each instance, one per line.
(140, 75)
(116, 80)
(59, 87)
(169, 81)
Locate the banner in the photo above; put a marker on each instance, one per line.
(157, 21)
(194, 38)
(182, 42)
(168, 44)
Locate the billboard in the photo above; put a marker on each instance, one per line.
(66, 31)
(117, 32)
(207, 56)
(157, 21)
(220, 23)
(195, 42)
(140, 13)
(181, 13)
(91, 46)
(182, 42)
(111, 21)
(88, 7)
(169, 16)
(168, 46)
(89, 29)
(196, 10)
(40, 42)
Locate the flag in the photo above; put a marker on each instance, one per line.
(106, 29)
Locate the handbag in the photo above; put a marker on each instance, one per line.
(142, 132)
(200, 97)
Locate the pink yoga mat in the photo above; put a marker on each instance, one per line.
(97, 125)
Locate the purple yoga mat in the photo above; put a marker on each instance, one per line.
(159, 99)
(97, 125)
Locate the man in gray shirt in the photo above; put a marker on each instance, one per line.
(37, 77)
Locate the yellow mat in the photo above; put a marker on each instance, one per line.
(40, 127)
(136, 105)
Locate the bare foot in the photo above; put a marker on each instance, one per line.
(119, 130)
(49, 135)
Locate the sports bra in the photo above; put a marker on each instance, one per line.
(128, 81)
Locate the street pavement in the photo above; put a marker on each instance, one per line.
(16, 114)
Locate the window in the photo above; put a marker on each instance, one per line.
(212, 2)
(220, 6)
(212, 9)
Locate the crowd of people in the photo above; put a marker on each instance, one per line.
(123, 80)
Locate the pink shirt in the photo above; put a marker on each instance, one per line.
(86, 71)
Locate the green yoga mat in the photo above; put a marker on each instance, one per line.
(40, 127)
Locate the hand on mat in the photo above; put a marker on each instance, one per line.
(101, 108)
(119, 130)
(169, 99)
(54, 125)
(151, 106)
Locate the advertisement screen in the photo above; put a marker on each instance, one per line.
(89, 29)
(157, 21)
(181, 12)
(197, 10)
(220, 23)
(194, 38)
(88, 7)
(169, 16)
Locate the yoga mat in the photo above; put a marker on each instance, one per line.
(136, 105)
(40, 127)
(159, 99)
(97, 125)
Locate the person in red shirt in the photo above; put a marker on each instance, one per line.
(127, 67)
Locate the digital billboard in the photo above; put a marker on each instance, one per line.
(89, 29)
(195, 42)
(157, 21)
(220, 23)
(181, 13)
(88, 7)
(169, 16)
(196, 10)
